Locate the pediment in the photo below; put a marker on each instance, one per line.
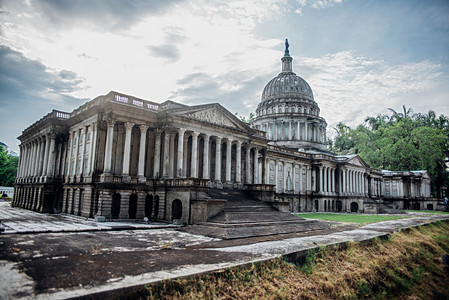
(357, 161)
(213, 114)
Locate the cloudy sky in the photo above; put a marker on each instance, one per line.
(359, 57)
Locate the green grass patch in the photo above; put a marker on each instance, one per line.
(428, 212)
(350, 218)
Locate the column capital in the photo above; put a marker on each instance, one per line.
(129, 126)
(111, 122)
(228, 141)
(143, 128)
(195, 134)
(239, 143)
(181, 130)
(206, 138)
(218, 139)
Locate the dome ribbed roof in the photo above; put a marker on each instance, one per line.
(287, 85)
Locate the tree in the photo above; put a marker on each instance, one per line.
(244, 119)
(402, 141)
(8, 168)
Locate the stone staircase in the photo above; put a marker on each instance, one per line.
(388, 208)
(244, 217)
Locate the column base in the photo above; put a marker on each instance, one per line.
(126, 178)
(141, 179)
(228, 185)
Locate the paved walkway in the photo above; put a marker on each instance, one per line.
(88, 260)
(17, 220)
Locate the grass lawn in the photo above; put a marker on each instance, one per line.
(350, 218)
(428, 211)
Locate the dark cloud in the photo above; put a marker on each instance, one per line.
(104, 14)
(166, 51)
(202, 88)
(28, 91)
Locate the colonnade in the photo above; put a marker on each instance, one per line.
(80, 153)
(181, 153)
(289, 177)
(294, 130)
(327, 182)
(353, 182)
(37, 158)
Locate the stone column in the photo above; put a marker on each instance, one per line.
(248, 164)
(108, 148)
(194, 160)
(290, 130)
(238, 163)
(300, 180)
(171, 165)
(127, 151)
(179, 168)
(93, 149)
(27, 160)
(298, 137)
(218, 158)
(33, 158)
(141, 165)
(51, 156)
(206, 174)
(320, 178)
(157, 153)
(39, 157)
(46, 154)
(332, 180)
(306, 131)
(83, 147)
(185, 156)
(256, 166)
(228, 160)
(77, 137)
(69, 158)
(165, 162)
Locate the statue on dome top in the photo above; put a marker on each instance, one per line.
(286, 47)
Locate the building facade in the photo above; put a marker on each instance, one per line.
(120, 156)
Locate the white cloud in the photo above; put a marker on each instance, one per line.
(349, 87)
(318, 4)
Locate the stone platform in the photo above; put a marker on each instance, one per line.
(244, 217)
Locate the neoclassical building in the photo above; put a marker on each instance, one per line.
(120, 156)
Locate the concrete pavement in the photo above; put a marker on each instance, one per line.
(68, 258)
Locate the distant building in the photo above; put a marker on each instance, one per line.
(7, 190)
(125, 157)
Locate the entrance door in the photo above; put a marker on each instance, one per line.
(176, 210)
(148, 206)
(132, 211)
(354, 207)
(115, 207)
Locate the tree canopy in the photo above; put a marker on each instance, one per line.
(402, 141)
(8, 168)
